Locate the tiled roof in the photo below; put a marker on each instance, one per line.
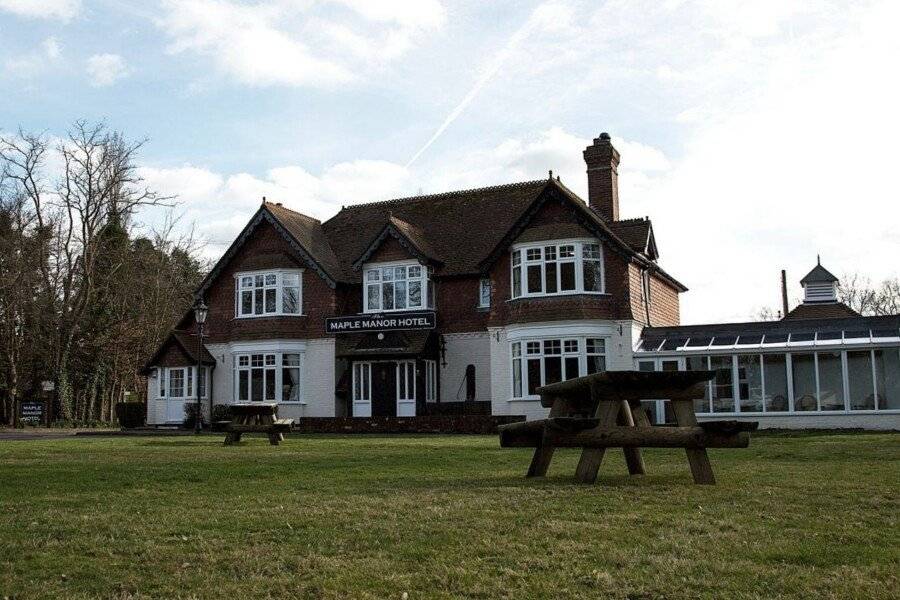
(309, 233)
(823, 310)
(188, 344)
(634, 232)
(461, 228)
(819, 274)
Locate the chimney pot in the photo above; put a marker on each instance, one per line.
(602, 161)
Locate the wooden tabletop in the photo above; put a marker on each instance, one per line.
(254, 408)
(629, 385)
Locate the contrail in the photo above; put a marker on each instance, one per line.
(488, 74)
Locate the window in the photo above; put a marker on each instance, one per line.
(270, 293)
(268, 377)
(406, 388)
(559, 268)
(859, 376)
(541, 362)
(722, 389)
(362, 389)
(803, 368)
(887, 378)
(699, 363)
(750, 391)
(484, 293)
(831, 381)
(178, 382)
(430, 380)
(396, 287)
(775, 374)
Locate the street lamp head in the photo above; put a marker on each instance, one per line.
(200, 311)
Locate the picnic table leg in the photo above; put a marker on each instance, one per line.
(589, 463)
(543, 454)
(633, 457)
(698, 459)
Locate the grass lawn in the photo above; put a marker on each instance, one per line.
(814, 516)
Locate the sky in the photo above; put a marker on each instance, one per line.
(756, 135)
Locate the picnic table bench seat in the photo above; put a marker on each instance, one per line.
(604, 410)
(256, 418)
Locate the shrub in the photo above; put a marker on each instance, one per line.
(130, 414)
(190, 416)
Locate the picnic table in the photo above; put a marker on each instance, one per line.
(604, 410)
(255, 417)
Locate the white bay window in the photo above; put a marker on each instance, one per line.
(268, 377)
(557, 268)
(539, 362)
(268, 293)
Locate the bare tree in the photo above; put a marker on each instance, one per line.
(857, 292)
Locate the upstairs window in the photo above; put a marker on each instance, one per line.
(268, 293)
(484, 293)
(569, 267)
(396, 287)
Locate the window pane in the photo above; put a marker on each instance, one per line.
(246, 282)
(831, 381)
(550, 278)
(517, 282)
(571, 367)
(176, 383)
(290, 279)
(534, 279)
(270, 384)
(804, 370)
(387, 296)
(723, 393)
(290, 384)
(387, 274)
(750, 383)
(270, 300)
(373, 275)
(258, 281)
(698, 363)
(400, 294)
(517, 349)
(596, 364)
(243, 386)
(247, 302)
(534, 376)
(776, 382)
(887, 378)
(258, 301)
(596, 345)
(552, 347)
(374, 297)
(291, 300)
(399, 273)
(415, 272)
(567, 251)
(256, 384)
(357, 382)
(415, 294)
(484, 292)
(517, 257)
(859, 374)
(550, 253)
(566, 277)
(533, 254)
(517, 378)
(592, 276)
(591, 251)
(552, 369)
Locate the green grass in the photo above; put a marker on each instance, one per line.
(442, 517)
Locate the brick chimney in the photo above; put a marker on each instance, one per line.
(603, 177)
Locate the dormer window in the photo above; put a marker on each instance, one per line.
(557, 268)
(396, 286)
(268, 293)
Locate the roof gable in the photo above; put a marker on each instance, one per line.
(187, 344)
(410, 237)
(638, 234)
(298, 230)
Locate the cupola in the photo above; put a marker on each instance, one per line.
(819, 285)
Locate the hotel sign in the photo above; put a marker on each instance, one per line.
(381, 322)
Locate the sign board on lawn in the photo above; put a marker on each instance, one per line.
(31, 412)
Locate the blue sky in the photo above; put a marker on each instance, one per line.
(756, 135)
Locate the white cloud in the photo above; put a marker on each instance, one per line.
(105, 69)
(295, 43)
(35, 62)
(42, 9)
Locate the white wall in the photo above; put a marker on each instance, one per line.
(461, 350)
(318, 379)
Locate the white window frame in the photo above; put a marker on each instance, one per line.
(278, 365)
(484, 292)
(361, 394)
(374, 276)
(279, 286)
(430, 380)
(188, 377)
(520, 261)
(519, 351)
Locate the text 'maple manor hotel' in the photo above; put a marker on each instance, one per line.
(479, 297)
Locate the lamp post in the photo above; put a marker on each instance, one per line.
(200, 312)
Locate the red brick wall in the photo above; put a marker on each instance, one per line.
(389, 250)
(174, 356)
(664, 300)
(266, 249)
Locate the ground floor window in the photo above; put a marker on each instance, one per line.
(430, 380)
(268, 377)
(800, 382)
(362, 382)
(178, 382)
(536, 363)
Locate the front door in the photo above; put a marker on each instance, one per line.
(384, 394)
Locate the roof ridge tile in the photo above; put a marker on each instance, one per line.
(489, 188)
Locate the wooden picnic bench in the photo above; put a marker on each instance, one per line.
(255, 417)
(604, 411)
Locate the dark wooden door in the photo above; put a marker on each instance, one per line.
(384, 389)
